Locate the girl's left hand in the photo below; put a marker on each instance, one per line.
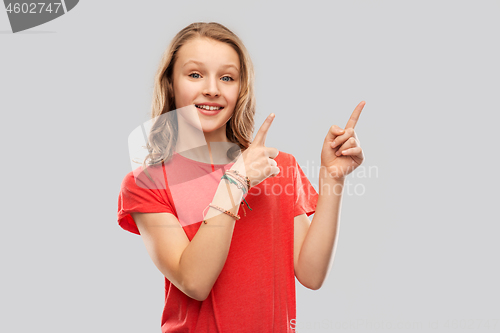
(341, 153)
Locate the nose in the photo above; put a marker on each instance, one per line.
(211, 88)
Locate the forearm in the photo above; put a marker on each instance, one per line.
(318, 249)
(205, 256)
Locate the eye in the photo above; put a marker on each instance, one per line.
(230, 78)
(193, 74)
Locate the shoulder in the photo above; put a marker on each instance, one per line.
(284, 158)
(128, 180)
(287, 164)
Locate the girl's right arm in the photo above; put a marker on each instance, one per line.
(193, 267)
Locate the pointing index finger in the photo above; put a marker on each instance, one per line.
(260, 138)
(355, 115)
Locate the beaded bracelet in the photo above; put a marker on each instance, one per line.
(236, 182)
(240, 186)
(225, 212)
(234, 177)
(222, 210)
(240, 177)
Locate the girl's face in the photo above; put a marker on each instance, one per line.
(206, 74)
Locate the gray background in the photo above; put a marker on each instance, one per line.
(418, 249)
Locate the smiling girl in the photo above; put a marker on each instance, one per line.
(226, 271)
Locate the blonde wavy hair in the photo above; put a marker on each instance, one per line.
(239, 129)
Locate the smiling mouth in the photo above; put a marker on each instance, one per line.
(209, 108)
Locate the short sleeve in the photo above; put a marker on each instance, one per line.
(136, 195)
(305, 195)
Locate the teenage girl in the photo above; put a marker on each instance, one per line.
(229, 228)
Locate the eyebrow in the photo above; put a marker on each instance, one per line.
(201, 64)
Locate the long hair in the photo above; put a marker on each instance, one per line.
(239, 129)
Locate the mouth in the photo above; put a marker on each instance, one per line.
(209, 110)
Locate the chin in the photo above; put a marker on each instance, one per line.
(210, 129)
(210, 125)
(213, 128)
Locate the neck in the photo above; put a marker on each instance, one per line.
(218, 135)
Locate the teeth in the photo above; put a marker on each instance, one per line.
(210, 108)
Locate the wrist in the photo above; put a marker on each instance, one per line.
(238, 179)
(330, 185)
(327, 175)
(239, 166)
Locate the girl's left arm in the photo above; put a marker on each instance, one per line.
(315, 242)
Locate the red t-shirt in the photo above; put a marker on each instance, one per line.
(255, 291)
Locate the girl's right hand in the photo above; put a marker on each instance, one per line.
(257, 161)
